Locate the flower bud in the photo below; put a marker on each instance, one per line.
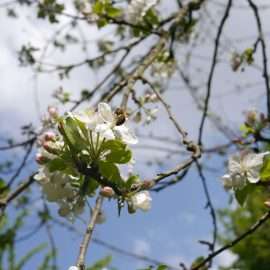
(107, 192)
(53, 112)
(40, 159)
(131, 208)
(49, 136)
(50, 147)
(64, 211)
(138, 117)
(153, 98)
(147, 184)
(251, 117)
(267, 204)
(235, 61)
(147, 97)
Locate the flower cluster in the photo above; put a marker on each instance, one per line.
(107, 124)
(138, 8)
(58, 188)
(81, 153)
(243, 168)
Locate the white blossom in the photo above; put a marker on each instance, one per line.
(243, 167)
(108, 128)
(88, 117)
(138, 8)
(57, 188)
(73, 268)
(141, 200)
(43, 175)
(104, 122)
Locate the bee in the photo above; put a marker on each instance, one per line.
(120, 116)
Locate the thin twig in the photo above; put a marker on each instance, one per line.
(212, 209)
(150, 57)
(212, 69)
(190, 145)
(251, 230)
(264, 54)
(88, 234)
(22, 165)
(20, 144)
(11, 196)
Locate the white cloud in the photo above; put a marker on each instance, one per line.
(141, 247)
(225, 259)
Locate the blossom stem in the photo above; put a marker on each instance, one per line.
(88, 234)
(92, 149)
(97, 146)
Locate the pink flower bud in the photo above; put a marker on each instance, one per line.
(49, 147)
(49, 136)
(107, 192)
(53, 112)
(40, 159)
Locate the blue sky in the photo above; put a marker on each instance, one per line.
(177, 220)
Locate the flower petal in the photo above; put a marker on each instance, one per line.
(105, 113)
(105, 131)
(253, 176)
(43, 175)
(227, 181)
(234, 164)
(142, 200)
(88, 117)
(253, 160)
(122, 132)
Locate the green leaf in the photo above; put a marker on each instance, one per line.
(162, 267)
(111, 172)
(2, 183)
(102, 22)
(3, 188)
(49, 8)
(57, 164)
(151, 18)
(118, 152)
(46, 262)
(197, 261)
(101, 264)
(98, 7)
(242, 194)
(265, 170)
(131, 180)
(113, 11)
(70, 130)
(246, 130)
(29, 255)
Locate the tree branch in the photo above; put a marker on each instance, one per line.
(212, 69)
(88, 234)
(264, 54)
(251, 230)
